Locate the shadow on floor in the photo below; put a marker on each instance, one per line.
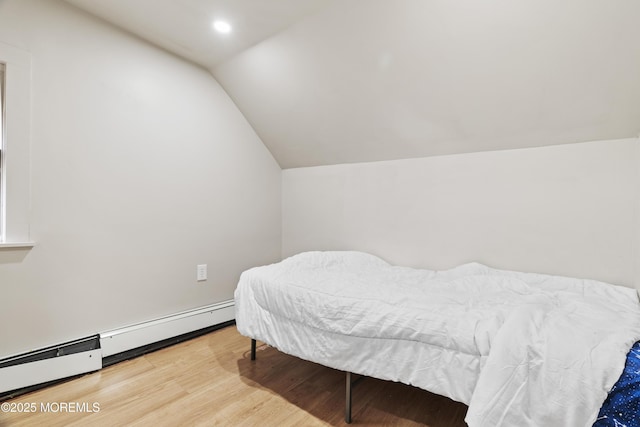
(320, 391)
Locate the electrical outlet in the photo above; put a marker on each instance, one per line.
(201, 272)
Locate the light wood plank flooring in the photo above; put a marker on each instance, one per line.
(211, 381)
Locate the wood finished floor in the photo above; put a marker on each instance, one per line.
(211, 381)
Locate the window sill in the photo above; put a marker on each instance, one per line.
(17, 245)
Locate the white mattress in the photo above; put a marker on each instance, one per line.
(520, 349)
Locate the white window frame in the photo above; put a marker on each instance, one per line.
(2, 138)
(15, 197)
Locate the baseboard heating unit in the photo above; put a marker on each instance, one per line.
(26, 371)
(145, 333)
(51, 363)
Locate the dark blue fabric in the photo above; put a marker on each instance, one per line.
(622, 407)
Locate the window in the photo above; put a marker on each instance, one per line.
(2, 67)
(15, 145)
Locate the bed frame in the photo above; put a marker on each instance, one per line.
(349, 386)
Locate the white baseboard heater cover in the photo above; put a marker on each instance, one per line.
(79, 357)
(39, 367)
(145, 333)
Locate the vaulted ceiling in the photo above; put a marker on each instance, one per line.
(340, 81)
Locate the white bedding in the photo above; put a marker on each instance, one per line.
(520, 349)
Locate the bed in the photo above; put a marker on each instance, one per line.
(520, 349)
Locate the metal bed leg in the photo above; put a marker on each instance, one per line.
(347, 408)
(253, 349)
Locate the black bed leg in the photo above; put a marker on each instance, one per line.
(253, 349)
(347, 408)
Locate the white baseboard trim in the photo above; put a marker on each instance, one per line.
(145, 333)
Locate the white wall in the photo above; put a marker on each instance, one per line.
(141, 168)
(569, 209)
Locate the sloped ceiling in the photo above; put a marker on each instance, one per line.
(327, 82)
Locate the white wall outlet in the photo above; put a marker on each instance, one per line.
(201, 272)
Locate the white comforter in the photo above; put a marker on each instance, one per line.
(548, 348)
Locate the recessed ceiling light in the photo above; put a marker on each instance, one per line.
(222, 27)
